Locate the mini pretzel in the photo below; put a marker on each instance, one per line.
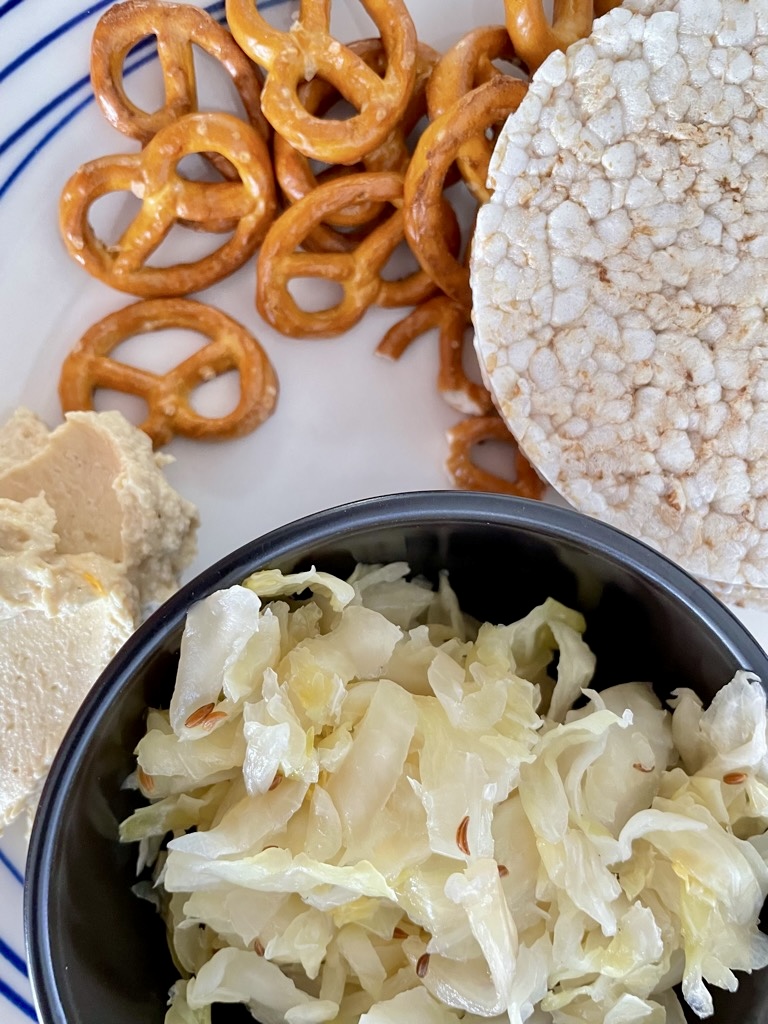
(294, 172)
(435, 152)
(467, 65)
(309, 50)
(166, 197)
(454, 385)
(177, 27)
(534, 38)
(296, 178)
(89, 367)
(358, 272)
(465, 474)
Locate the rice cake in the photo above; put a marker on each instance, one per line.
(620, 278)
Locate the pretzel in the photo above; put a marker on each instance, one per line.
(424, 181)
(534, 38)
(465, 474)
(294, 172)
(177, 27)
(468, 64)
(454, 385)
(296, 178)
(309, 50)
(89, 367)
(358, 272)
(166, 198)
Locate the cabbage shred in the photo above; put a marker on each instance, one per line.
(395, 813)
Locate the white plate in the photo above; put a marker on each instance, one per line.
(347, 425)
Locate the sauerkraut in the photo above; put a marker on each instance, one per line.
(364, 806)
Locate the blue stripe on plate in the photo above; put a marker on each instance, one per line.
(59, 31)
(42, 112)
(7, 7)
(5, 185)
(11, 867)
(13, 958)
(18, 1001)
(52, 36)
(26, 160)
(81, 83)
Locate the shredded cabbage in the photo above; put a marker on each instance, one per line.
(376, 809)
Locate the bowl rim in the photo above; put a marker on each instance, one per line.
(351, 518)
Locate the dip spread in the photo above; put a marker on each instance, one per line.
(91, 534)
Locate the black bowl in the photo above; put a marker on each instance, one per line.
(97, 953)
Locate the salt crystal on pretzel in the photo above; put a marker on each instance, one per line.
(619, 276)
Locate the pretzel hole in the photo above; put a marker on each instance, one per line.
(497, 457)
(511, 68)
(317, 167)
(415, 133)
(469, 360)
(216, 90)
(464, 206)
(184, 245)
(111, 214)
(355, 231)
(401, 264)
(218, 396)
(132, 407)
(341, 110)
(144, 85)
(364, 26)
(314, 294)
(493, 131)
(194, 167)
(142, 75)
(322, 172)
(159, 351)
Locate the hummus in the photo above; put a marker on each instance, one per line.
(103, 481)
(91, 534)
